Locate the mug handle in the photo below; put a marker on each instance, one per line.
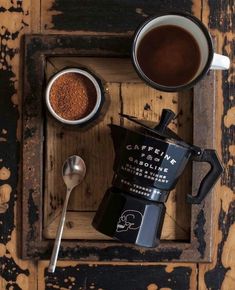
(209, 156)
(220, 61)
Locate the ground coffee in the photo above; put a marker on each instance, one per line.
(72, 96)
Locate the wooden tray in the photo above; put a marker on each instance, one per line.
(187, 230)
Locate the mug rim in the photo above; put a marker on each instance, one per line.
(180, 87)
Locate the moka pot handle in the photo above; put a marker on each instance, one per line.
(210, 156)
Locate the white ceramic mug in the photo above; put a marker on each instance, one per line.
(209, 59)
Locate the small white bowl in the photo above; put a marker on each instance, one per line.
(99, 96)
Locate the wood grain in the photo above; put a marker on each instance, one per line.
(33, 171)
(221, 273)
(82, 17)
(15, 273)
(125, 93)
(218, 15)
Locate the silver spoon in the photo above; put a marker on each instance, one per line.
(73, 171)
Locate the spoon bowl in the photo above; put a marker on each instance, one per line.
(73, 172)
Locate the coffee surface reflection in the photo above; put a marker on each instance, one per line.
(169, 55)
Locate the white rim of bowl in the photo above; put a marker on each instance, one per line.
(98, 97)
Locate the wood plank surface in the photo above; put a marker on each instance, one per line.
(14, 272)
(221, 273)
(125, 93)
(117, 277)
(102, 17)
(33, 245)
(18, 17)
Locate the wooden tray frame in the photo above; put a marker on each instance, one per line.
(37, 49)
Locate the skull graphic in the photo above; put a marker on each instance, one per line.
(129, 220)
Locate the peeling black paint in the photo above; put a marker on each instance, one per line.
(219, 18)
(29, 132)
(107, 277)
(33, 215)
(9, 157)
(228, 133)
(215, 277)
(147, 107)
(13, 286)
(109, 253)
(108, 16)
(200, 232)
(222, 18)
(72, 23)
(9, 150)
(9, 270)
(95, 45)
(120, 253)
(15, 9)
(16, 6)
(2, 9)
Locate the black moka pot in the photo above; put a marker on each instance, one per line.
(148, 163)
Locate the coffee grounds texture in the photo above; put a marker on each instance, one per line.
(72, 96)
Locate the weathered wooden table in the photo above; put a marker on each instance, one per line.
(108, 17)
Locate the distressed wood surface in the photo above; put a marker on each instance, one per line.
(127, 94)
(219, 17)
(14, 273)
(38, 52)
(18, 17)
(117, 17)
(119, 276)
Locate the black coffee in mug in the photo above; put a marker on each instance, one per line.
(169, 55)
(173, 51)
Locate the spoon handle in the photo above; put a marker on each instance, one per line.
(59, 233)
